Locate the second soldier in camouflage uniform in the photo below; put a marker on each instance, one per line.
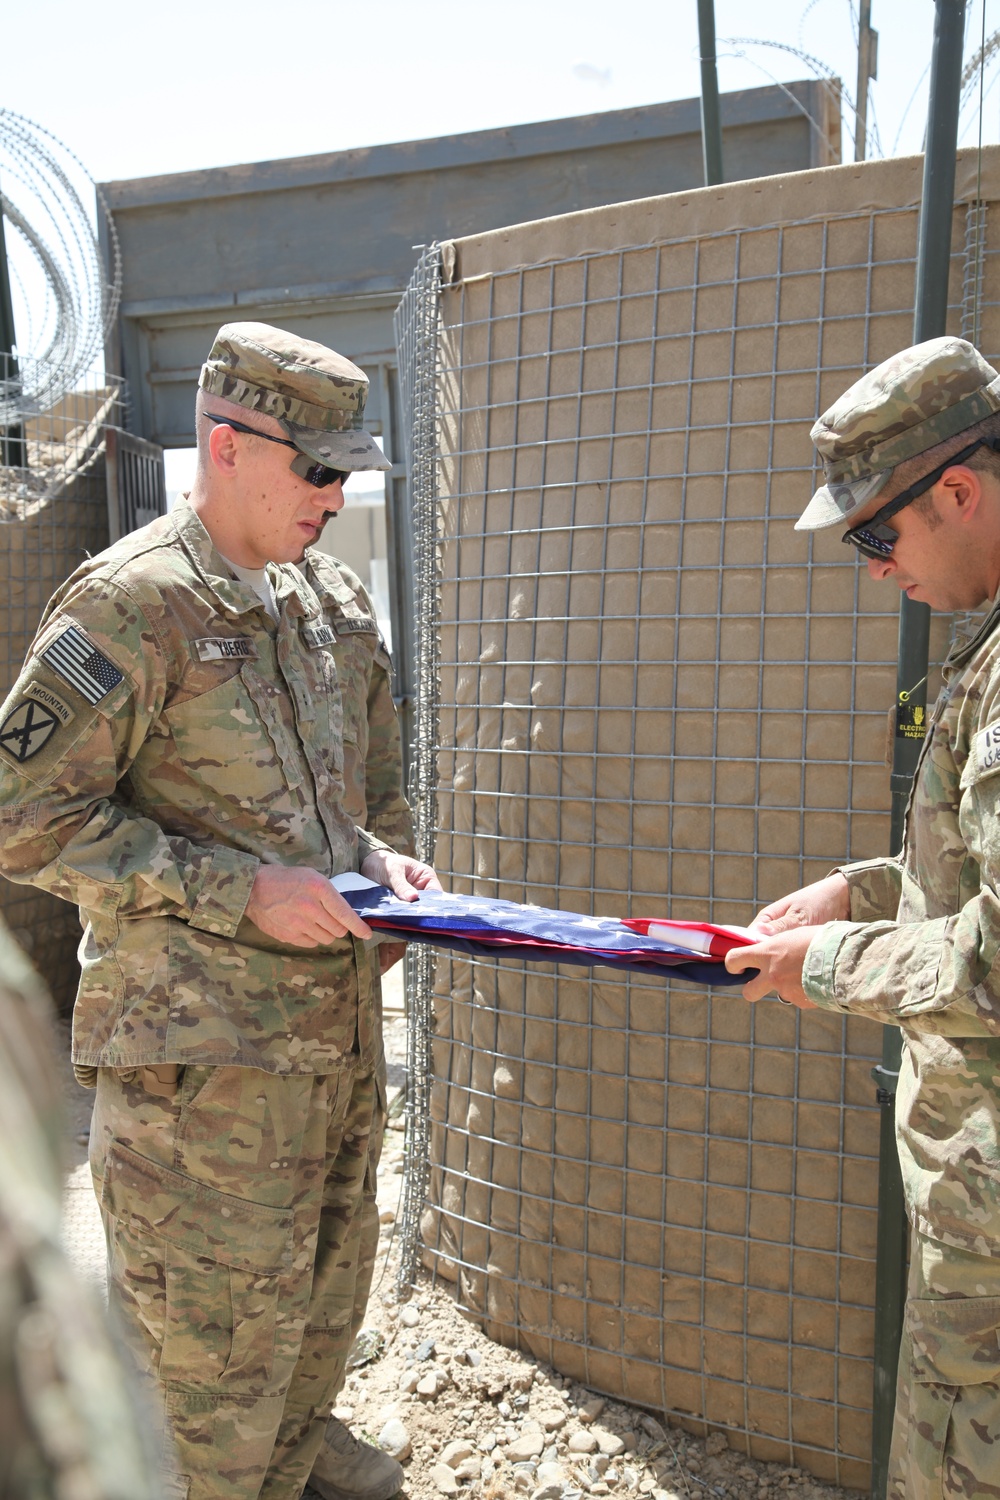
(198, 741)
(912, 467)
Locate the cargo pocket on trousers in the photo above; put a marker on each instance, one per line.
(955, 1345)
(221, 1259)
(956, 1340)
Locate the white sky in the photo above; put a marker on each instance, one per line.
(141, 89)
(136, 90)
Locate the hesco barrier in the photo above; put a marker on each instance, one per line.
(650, 694)
(53, 514)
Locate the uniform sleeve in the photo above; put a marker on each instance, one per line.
(939, 976)
(88, 698)
(874, 887)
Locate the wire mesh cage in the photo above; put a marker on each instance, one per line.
(651, 692)
(53, 515)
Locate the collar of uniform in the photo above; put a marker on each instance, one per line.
(293, 592)
(963, 651)
(326, 578)
(234, 596)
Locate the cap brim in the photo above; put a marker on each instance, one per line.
(835, 504)
(352, 451)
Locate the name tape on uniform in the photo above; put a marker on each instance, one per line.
(82, 665)
(226, 648)
(318, 635)
(326, 635)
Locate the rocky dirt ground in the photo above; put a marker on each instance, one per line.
(466, 1416)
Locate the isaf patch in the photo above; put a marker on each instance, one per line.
(28, 729)
(987, 749)
(82, 665)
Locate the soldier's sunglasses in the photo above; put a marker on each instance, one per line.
(305, 467)
(874, 538)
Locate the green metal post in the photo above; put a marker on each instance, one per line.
(13, 453)
(929, 321)
(711, 122)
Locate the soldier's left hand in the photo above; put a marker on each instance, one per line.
(779, 959)
(404, 876)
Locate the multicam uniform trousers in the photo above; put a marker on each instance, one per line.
(241, 1224)
(946, 1432)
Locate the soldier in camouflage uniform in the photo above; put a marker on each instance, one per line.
(69, 1425)
(911, 457)
(199, 740)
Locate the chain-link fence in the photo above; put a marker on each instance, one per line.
(651, 694)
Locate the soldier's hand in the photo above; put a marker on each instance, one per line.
(826, 900)
(404, 876)
(299, 906)
(780, 961)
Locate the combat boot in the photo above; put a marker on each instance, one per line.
(348, 1469)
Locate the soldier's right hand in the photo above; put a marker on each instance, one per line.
(300, 907)
(826, 900)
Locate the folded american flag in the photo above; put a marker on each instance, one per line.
(482, 926)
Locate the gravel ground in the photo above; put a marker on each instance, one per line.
(464, 1415)
(467, 1416)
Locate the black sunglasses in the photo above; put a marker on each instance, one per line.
(874, 538)
(307, 468)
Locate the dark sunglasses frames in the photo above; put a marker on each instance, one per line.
(306, 468)
(875, 539)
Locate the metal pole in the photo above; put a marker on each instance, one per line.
(711, 124)
(929, 321)
(867, 69)
(13, 452)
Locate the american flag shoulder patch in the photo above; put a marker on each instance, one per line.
(82, 665)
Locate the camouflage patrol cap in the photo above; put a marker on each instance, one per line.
(317, 395)
(907, 404)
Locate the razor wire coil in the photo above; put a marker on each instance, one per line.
(64, 292)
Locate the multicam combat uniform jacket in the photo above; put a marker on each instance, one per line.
(163, 740)
(928, 958)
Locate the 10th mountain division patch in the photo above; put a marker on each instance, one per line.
(27, 729)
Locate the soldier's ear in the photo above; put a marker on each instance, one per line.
(223, 450)
(960, 489)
